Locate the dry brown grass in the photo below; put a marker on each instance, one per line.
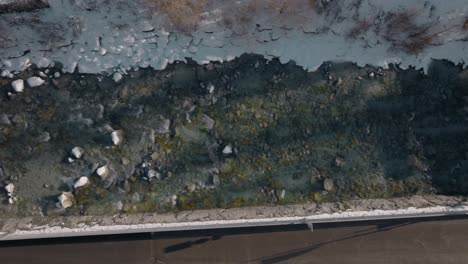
(404, 33)
(240, 15)
(288, 7)
(185, 15)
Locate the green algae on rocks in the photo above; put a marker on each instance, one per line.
(241, 133)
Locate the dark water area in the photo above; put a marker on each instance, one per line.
(245, 132)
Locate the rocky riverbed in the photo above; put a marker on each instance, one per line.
(240, 133)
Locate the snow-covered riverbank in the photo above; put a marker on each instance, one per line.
(104, 36)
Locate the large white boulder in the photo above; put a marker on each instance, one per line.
(35, 81)
(82, 181)
(18, 86)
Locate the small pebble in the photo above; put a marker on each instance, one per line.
(227, 150)
(77, 152)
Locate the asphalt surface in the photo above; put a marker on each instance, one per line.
(435, 240)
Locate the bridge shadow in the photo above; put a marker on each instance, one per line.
(291, 254)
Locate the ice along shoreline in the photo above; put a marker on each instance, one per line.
(355, 210)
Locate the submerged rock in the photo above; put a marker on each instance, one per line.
(44, 137)
(4, 120)
(207, 123)
(163, 126)
(282, 194)
(339, 162)
(155, 156)
(125, 161)
(328, 185)
(215, 180)
(119, 206)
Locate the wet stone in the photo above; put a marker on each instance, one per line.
(328, 185)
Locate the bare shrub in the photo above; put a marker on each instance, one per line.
(287, 7)
(404, 33)
(184, 14)
(360, 28)
(240, 15)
